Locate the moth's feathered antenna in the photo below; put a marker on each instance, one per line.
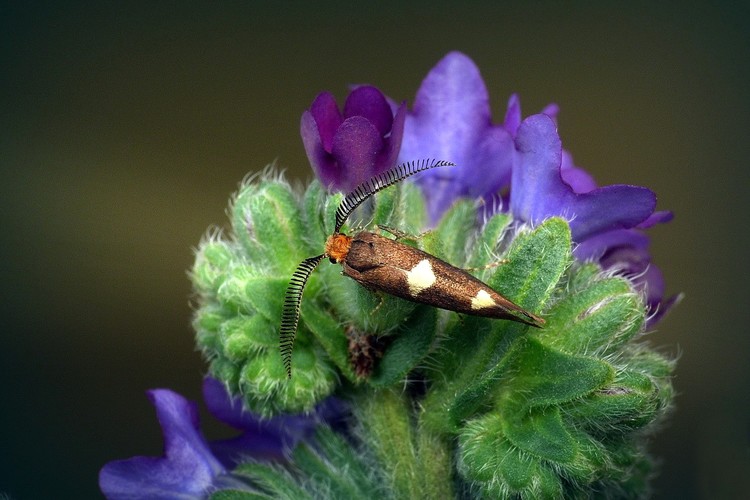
(290, 314)
(380, 182)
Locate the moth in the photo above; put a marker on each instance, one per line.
(383, 264)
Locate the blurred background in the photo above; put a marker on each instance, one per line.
(127, 125)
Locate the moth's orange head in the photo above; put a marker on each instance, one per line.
(337, 247)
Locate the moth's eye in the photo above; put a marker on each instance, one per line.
(333, 261)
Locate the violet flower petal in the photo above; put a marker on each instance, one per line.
(188, 468)
(513, 115)
(451, 120)
(327, 118)
(596, 246)
(346, 150)
(355, 148)
(577, 178)
(368, 102)
(658, 217)
(538, 190)
(389, 155)
(323, 164)
(552, 110)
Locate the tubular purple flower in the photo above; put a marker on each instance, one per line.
(188, 467)
(538, 190)
(605, 222)
(451, 118)
(345, 149)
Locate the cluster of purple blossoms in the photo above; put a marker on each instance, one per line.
(517, 166)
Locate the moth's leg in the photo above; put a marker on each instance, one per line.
(486, 266)
(356, 229)
(401, 234)
(381, 301)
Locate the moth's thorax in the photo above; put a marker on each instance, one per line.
(337, 247)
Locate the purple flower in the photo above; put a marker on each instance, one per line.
(191, 467)
(451, 119)
(348, 149)
(538, 190)
(606, 222)
(188, 468)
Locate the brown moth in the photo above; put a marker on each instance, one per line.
(382, 264)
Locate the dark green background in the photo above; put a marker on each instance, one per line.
(126, 127)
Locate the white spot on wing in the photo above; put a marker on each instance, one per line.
(482, 300)
(420, 277)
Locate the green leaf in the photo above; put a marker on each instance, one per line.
(458, 342)
(629, 402)
(414, 463)
(232, 294)
(482, 448)
(529, 454)
(386, 428)
(277, 481)
(266, 296)
(340, 454)
(650, 363)
(435, 459)
(331, 335)
(517, 470)
(212, 263)
(581, 275)
(543, 376)
(267, 221)
(499, 468)
(592, 458)
(630, 468)
(313, 203)
(207, 323)
(409, 347)
(242, 228)
(266, 389)
(601, 316)
(332, 467)
(537, 260)
(386, 205)
(329, 212)
(442, 241)
(539, 431)
(225, 370)
(488, 238)
(410, 215)
(241, 336)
